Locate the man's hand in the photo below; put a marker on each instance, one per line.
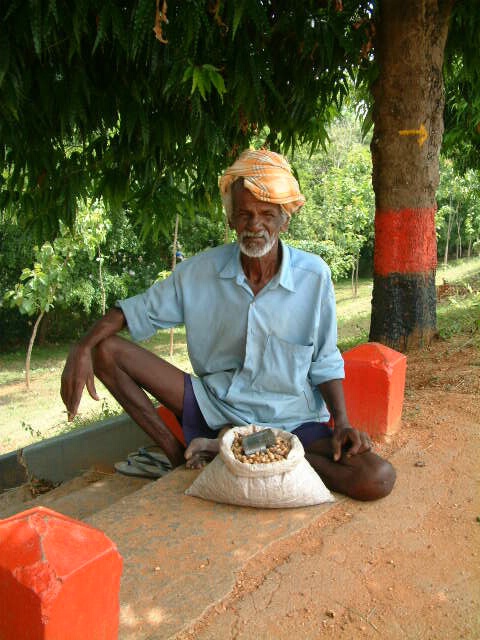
(344, 435)
(343, 432)
(77, 374)
(78, 371)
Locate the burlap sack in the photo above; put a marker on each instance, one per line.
(288, 483)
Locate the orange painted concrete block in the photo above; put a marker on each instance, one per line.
(374, 387)
(59, 579)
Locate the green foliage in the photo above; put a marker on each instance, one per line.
(457, 218)
(205, 78)
(462, 86)
(37, 290)
(333, 255)
(337, 219)
(105, 411)
(39, 287)
(93, 105)
(462, 315)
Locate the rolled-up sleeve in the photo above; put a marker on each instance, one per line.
(160, 307)
(327, 363)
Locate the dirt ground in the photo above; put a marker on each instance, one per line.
(405, 567)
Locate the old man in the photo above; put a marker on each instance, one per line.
(261, 334)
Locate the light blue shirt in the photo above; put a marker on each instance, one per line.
(257, 358)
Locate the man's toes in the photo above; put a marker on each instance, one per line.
(196, 461)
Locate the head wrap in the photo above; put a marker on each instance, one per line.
(268, 176)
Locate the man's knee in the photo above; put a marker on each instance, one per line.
(374, 480)
(103, 355)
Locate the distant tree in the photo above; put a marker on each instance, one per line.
(458, 215)
(38, 288)
(340, 205)
(41, 286)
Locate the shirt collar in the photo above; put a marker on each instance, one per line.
(284, 277)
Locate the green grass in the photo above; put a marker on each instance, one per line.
(27, 417)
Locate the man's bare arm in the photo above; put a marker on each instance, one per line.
(78, 370)
(343, 432)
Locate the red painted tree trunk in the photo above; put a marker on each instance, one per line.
(408, 127)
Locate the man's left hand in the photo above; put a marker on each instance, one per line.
(344, 435)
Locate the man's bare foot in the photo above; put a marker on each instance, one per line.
(201, 451)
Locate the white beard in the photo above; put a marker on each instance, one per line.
(253, 251)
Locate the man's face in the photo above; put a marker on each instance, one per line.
(257, 223)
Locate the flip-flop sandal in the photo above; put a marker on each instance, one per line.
(145, 464)
(129, 469)
(154, 457)
(153, 462)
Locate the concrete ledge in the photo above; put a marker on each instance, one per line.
(68, 455)
(12, 473)
(182, 554)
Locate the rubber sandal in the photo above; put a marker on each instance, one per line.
(129, 469)
(155, 457)
(153, 464)
(145, 463)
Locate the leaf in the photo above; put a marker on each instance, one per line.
(198, 82)
(188, 73)
(237, 16)
(217, 81)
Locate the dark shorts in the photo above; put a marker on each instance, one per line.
(194, 425)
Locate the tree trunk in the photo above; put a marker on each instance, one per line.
(29, 350)
(459, 238)
(408, 96)
(100, 279)
(355, 265)
(447, 240)
(42, 332)
(174, 264)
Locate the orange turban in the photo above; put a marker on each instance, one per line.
(268, 176)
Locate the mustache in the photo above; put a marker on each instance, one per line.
(254, 234)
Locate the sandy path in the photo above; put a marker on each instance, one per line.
(405, 567)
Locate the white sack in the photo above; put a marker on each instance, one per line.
(288, 483)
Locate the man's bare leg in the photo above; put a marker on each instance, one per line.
(127, 370)
(365, 476)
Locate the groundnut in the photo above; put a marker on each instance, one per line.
(276, 453)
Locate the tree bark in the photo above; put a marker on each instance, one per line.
(408, 95)
(100, 279)
(355, 266)
(449, 231)
(29, 349)
(174, 264)
(459, 238)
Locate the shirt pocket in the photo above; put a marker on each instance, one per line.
(284, 367)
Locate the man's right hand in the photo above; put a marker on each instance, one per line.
(77, 373)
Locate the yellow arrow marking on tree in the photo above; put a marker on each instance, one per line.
(421, 133)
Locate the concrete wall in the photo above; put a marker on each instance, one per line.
(68, 455)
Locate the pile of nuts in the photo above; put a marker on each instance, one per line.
(276, 453)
